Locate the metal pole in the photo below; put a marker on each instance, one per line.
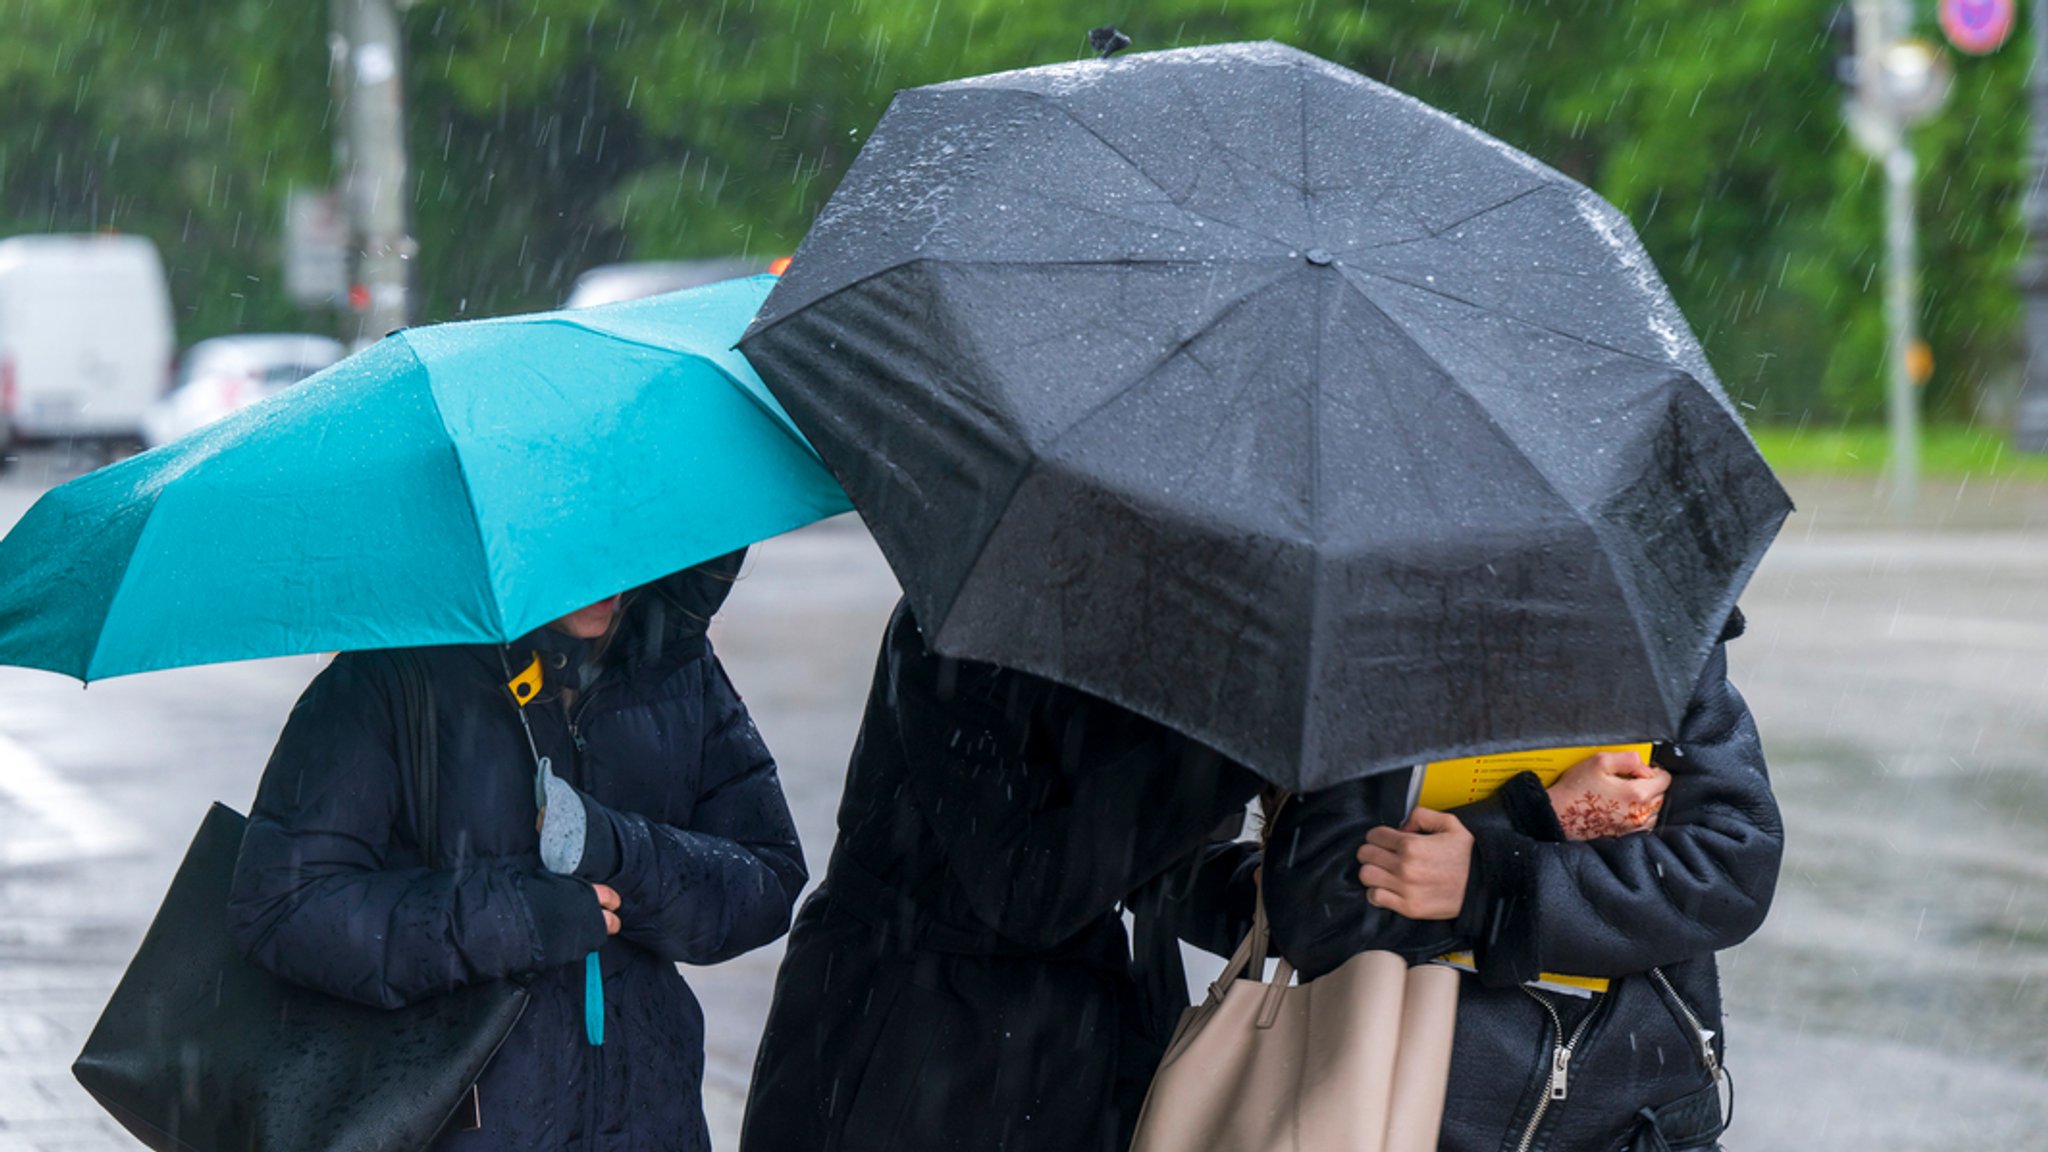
(1901, 326)
(1871, 36)
(1879, 124)
(1878, 117)
(374, 182)
(2030, 420)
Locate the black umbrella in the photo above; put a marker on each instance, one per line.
(1274, 404)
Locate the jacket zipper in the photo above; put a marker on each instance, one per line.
(1699, 1031)
(576, 720)
(1560, 1064)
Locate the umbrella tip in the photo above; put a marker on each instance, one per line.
(1107, 41)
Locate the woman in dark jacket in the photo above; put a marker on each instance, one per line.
(961, 979)
(1534, 1069)
(682, 818)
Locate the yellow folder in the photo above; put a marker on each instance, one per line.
(1448, 784)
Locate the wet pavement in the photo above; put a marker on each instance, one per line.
(1896, 998)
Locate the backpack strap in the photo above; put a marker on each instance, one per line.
(423, 751)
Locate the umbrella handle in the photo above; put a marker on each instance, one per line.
(525, 687)
(593, 1001)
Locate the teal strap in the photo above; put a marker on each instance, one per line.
(593, 1001)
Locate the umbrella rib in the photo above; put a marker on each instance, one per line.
(569, 321)
(1105, 321)
(981, 548)
(1312, 675)
(1238, 302)
(1151, 179)
(127, 567)
(1522, 320)
(1222, 425)
(1315, 439)
(1168, 357)
(1437, 232)
(1308, 195)
(1096, 209)
(780, 419)
(923, 258)
(1216, 139)
(1411, 150)
(1586, 518)
(1500, 430)
(483, 550)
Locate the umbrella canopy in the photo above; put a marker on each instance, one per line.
(462, 483)
(1273, 404)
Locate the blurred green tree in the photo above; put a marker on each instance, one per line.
(552, 135)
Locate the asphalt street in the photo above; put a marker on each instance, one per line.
(1895, 999)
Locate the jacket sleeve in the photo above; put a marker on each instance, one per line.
(1207, 898)
(1700, 882)
(727, 883)
(1041, 852)
(1535, 902)
(1314, 901)
(328, 890)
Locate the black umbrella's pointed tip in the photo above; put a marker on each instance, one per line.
(1107, 41)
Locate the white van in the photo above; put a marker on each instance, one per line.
(85, 338)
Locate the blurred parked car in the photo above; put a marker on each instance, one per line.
(220, 375)
(85, 339)
(608, 283)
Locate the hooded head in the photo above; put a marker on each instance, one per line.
(662, 624)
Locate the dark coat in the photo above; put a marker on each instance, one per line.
(961, 980)
(1649, 910)
(331, 890)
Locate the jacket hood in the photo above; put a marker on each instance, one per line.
(661, 628)
(665, 621)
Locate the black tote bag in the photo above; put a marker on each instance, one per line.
(200, 1050)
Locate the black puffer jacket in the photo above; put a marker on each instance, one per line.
(961, 981)
(689, 826)
(1648, 910)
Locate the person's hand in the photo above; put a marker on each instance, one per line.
(1609, 794)
(608, 900)
(1419, 869)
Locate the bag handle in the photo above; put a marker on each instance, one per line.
(1250, 955)
(1249, 961)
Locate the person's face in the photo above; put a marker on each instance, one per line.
(591, 622)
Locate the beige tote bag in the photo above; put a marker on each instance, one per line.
(1357, 1061)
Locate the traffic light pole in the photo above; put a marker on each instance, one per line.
(366, 61)
(1901, 324)
(1898, 81)
(1879, 125)
(2030, 418)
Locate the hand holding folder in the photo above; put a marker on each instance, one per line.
(1607, 805)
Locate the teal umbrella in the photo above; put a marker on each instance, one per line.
(463, 483)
